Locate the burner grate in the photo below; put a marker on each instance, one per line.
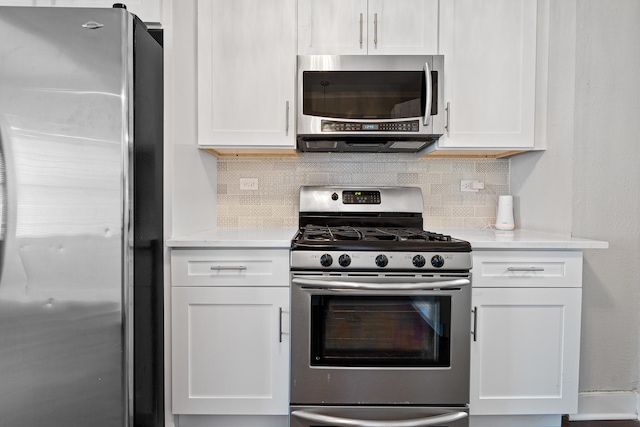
(348, 233)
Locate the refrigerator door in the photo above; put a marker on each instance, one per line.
(63, 113)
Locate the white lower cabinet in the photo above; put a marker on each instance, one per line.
(230, 351)
(525, 352)
(230, 344)
(525, 348)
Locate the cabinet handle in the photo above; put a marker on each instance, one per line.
(280, 324)
(375, 29)
(448, 110)
(361, 31)
(525, 269)
(228, 267)
(286, 115)
(474, 332)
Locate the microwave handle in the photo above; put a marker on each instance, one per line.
(352, 422)
(429, 100)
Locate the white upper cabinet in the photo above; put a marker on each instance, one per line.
(146, 10)
(246, 74)
(373, 27)
(490, 49)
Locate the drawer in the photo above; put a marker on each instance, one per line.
(260, 267)
(527, 269)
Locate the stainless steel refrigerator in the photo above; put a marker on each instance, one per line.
(81, 219)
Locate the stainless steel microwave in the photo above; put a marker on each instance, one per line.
(362, 103)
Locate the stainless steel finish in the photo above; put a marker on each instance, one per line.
(367, 260)
(427, 76)
(361, 30)
(342, 421)
(65, 289)
(286, 123)
(420, 284)
(378, 416)
(126, 52)
(371, 385)
(375, 29)
(474, 331)
(3, 196)
(311, 125)
(393, 199)
(228, 267)
(525, 269)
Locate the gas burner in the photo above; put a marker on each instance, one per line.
(323, 233)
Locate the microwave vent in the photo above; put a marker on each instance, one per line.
(407, 145)
(321, 145)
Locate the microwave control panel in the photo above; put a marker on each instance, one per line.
(333, 126)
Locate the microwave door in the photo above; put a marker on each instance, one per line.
(429, 96)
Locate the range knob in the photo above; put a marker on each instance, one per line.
(326, 260)
(419, 261)
(437, 261)
(382, 261)
(344, 260)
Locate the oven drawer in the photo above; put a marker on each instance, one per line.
(224, 267)
(527, 269)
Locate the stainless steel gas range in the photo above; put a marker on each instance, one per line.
(380, 313)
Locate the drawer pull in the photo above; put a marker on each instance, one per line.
(525, 269)
(228, 267)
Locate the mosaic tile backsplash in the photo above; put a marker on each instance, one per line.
(275, 202)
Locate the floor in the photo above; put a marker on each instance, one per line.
(567, 423)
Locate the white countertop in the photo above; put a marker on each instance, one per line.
(236, 237)
(479, 239)
(521, 239)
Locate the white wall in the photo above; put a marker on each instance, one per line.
(589, 177)
(193, 171)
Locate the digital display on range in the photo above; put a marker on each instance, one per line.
(361, 197)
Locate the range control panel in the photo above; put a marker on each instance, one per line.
(389, 260)
(361, 197)
(406, 126)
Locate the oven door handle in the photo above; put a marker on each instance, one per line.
(394, 286)
(352, 422)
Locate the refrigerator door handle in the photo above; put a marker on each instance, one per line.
(4, 208)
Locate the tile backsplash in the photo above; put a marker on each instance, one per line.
(275, 202)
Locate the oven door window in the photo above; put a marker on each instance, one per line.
(366, 94)
(380, 331)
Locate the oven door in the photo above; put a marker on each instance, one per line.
(379, 416)
(380, 339)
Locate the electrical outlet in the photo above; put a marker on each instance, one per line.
(248, 183)
(471, 185)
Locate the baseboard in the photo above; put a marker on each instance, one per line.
(607, 405)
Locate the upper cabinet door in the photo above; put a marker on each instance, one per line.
(146, 10)
(403, 27)
(246, 73)
(332, 27)
(489, 49)
(373, 27)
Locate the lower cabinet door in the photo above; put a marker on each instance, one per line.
(525, 351)
(230, 350)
